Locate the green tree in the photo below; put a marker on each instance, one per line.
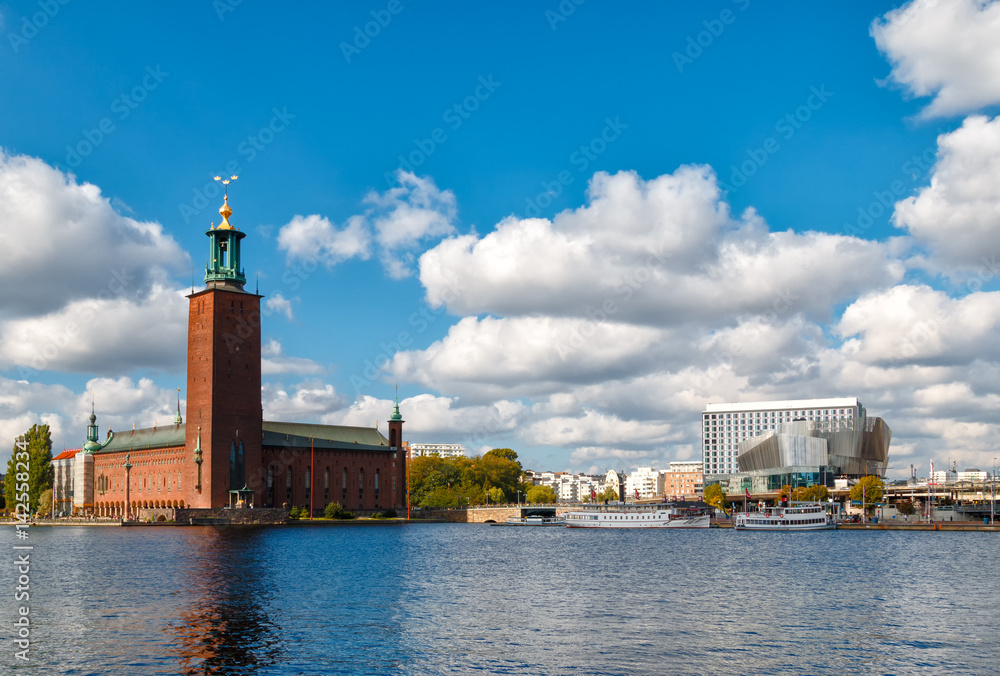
(40, 472)
(608, 493)
(812, 493)
(542, 494)
(504, 453)
(45, 503)
(870, 489)
(713, 495)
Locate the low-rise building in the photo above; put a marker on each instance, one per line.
(644, 483)
(417, 450)
(683, 479)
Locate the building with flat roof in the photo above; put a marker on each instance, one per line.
(724, 426)
(417, 450)
(683, 479)
(798, 443)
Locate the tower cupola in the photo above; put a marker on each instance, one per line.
(224, 265)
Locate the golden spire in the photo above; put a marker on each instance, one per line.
(224, 210)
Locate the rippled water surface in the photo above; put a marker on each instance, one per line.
(461, 599)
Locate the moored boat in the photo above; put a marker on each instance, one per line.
(533, 521)
(787, 517)
(666, 515)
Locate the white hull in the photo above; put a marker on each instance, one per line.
(533, 521)
(798, 516)
(660, 519)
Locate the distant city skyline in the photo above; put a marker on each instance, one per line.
(561, 232)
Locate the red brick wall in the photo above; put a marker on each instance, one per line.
(223, 397)
(357, 496)
(153, 477)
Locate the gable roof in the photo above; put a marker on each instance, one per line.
(66, 455)
(302, 435)
(167, 436)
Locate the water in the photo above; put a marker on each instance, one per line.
(461, 599)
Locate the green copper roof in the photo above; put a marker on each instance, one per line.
(149, 437)
(301, 435)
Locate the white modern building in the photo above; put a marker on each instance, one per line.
(568, 487)
(440, 450)
(643, 484)
(724, 426)
(973, 474)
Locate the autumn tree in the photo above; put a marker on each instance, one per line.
(40, 472)
(451, 482)
(542, 494)
(608, 494)
(714, 495)
(868, 490)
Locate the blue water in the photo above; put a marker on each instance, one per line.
(461, 599)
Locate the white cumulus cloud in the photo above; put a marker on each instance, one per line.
(948, 49)
(957, 217)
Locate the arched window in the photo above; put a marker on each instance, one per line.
(326, 485)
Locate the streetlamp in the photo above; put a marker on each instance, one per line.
(128, 483)
(519, 498)
(487, 499)
(993, 493)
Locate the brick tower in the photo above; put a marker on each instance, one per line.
(396, 446)
(223, 379)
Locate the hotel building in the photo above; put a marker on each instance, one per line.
(724, 426)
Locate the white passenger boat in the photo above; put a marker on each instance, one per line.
(794, 516)
(682, 515)
(534, 521)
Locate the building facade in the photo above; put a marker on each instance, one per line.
(416, 450)
(684, 479)
(569, 487)
(226, 454)
(645, 483)
(806, 445)
(724, 426)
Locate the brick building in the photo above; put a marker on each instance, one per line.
(226, 454)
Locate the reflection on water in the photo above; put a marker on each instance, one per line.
(459, 599)
(223, 627)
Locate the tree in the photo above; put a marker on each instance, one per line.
(814, 493)
(504, 453)
(906, 507)
(40, 472)
(608, 493)
(870, 490)
(713, 495)
(542, 494)
(45, 503)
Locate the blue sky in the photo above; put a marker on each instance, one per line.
(544, 148)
